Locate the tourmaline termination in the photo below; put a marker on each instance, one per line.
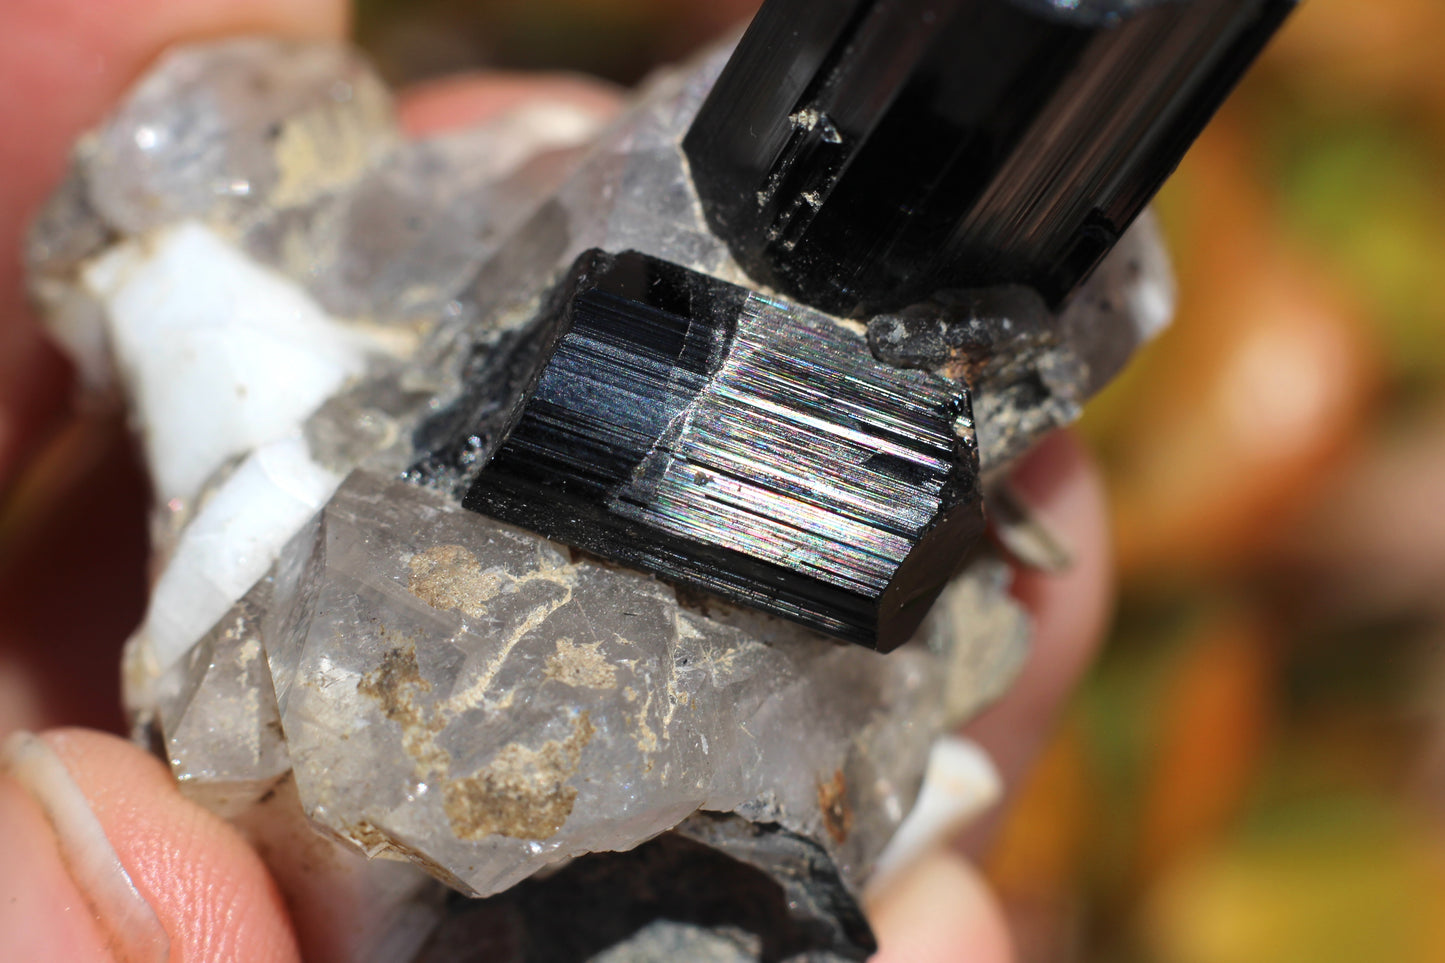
(862, 154)
(742, 445)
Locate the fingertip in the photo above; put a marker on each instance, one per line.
(208, 888)
(940, 911)
(466, 99)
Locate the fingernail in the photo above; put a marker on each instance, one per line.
(130, 926)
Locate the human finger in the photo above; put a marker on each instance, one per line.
(104, 860)
(939, 911)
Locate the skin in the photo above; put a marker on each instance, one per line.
(210, 891)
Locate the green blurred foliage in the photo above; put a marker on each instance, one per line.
(1366, 195)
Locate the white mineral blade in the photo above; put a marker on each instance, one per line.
(1151, 300)
(220, 354)
(231, 542)
(519, 135)
(960, 783)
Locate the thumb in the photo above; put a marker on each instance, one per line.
(102, 859)
(940, 911)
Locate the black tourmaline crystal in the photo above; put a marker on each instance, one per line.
(862, 154)
(741, 445)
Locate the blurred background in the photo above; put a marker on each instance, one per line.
(1255, 771)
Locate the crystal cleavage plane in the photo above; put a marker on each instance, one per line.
(522, 491)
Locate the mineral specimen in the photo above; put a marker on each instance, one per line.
(325, 333)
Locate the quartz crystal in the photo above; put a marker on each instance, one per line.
(566, 706)
(324, 332)
(1031, 369)
(219, 716)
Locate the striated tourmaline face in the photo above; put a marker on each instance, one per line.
(740, 445)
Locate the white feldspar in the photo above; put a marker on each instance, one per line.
(231, 542)
(961, 782)
(520, 134)
(218, 353)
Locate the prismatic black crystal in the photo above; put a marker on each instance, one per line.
(861, 154)
(741, 445)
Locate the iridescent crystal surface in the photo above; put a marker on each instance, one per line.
(740, 445)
